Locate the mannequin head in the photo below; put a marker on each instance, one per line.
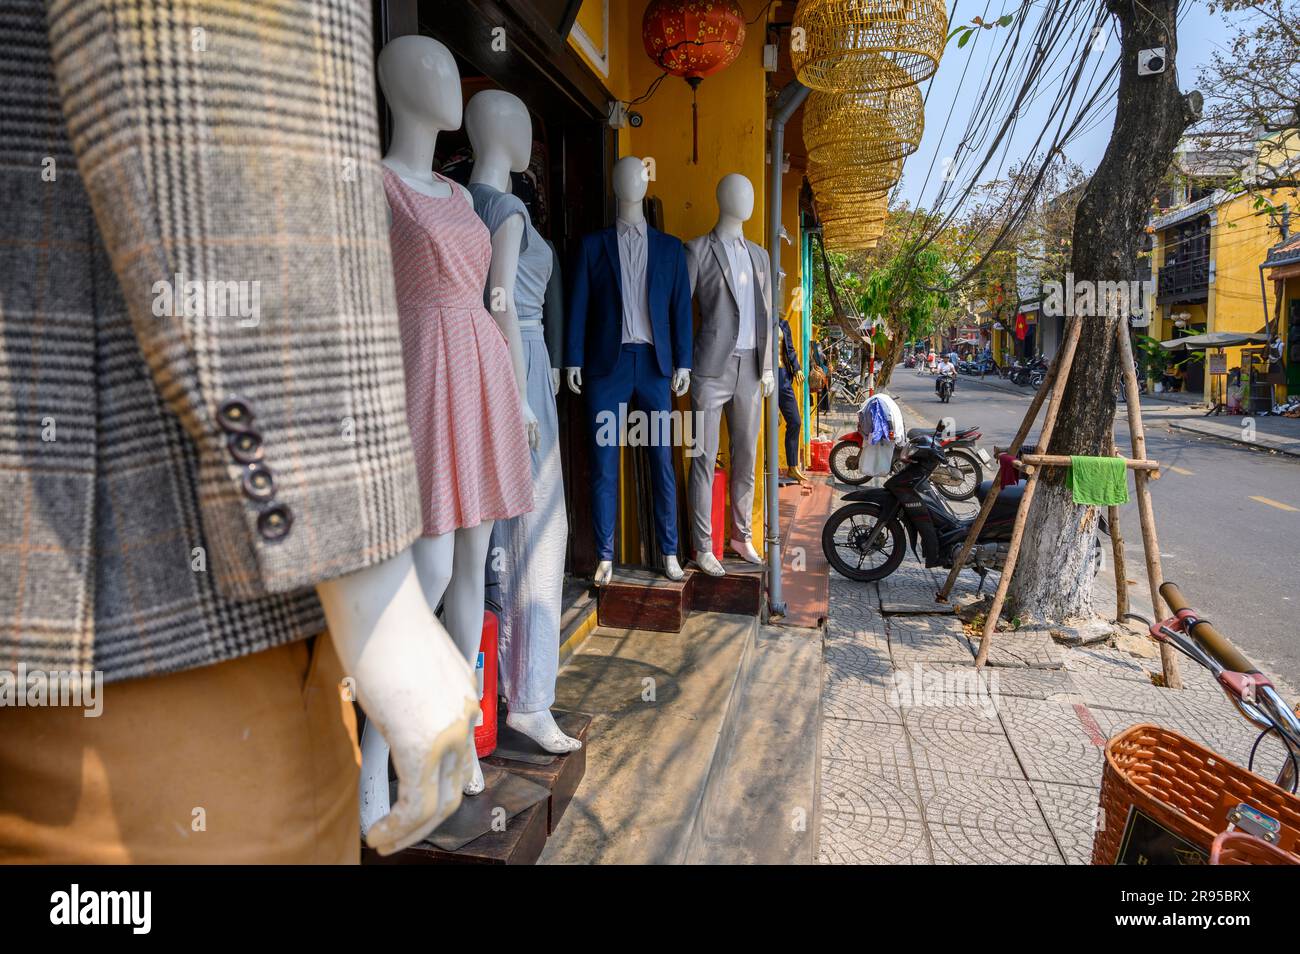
(421, 83)
(630, 179)
(497, 122)
(735, 197)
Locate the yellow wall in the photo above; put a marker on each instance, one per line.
(1239, 242)
(732, 138)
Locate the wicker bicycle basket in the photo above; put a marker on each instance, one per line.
(1183, 788)
(1238, 848)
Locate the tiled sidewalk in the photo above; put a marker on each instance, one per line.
(924, 762)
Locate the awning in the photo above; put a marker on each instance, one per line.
(1214, 339)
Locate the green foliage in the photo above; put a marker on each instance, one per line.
(908, 292)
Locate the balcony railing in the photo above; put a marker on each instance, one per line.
(1183, 281)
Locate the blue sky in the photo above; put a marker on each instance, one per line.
(1199, 34)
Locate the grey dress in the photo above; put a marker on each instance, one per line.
(528, 550)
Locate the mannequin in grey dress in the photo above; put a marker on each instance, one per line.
(527, 551)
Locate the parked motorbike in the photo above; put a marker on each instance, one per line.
(909, 360)
(1028, 374)
(867, 538)
(958, 479)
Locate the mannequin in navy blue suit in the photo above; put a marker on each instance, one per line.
(634, 351)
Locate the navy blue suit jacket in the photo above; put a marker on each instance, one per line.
(594, 332)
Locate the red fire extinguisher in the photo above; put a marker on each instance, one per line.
(485, 673)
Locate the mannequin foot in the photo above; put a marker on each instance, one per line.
(707, 562)
(673, 569)
(796, 474)
(541, 728)
(745, 550)
(475, 783)
(604, 572)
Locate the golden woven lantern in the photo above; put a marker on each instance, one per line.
(863, 127)
(852, 179)
(837, 44)
(861, 209)
(848, 240)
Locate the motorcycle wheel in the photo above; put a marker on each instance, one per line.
(847, 531)
(972, 474)
(844, 463)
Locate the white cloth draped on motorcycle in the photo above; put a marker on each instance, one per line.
(880, 421)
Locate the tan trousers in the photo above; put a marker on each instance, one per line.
(248, 761)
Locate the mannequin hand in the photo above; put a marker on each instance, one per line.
(414, 685)
(555, 381)
(768, 383)
(798, 379)
(681, 381)
(575, 379)
(530, 425)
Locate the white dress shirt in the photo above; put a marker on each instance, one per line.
(633, 257)
(742, 274)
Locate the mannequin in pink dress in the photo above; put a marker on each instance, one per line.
(464, 372)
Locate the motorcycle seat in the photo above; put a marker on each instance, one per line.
(1008, 498)
(915, 433)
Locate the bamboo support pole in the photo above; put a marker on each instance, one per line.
(1046, 388)
(1029, 461)
(1117, 555)
(1150, 544)
(1022, 513)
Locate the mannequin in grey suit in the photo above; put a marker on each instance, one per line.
(733, 366)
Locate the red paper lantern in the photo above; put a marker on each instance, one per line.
(693, 39)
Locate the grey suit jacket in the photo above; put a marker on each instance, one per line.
(176, 479)
(717, 311)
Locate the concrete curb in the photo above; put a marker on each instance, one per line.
(1261, 442)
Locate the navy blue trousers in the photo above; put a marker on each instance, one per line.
(790, 412)
(637, 384)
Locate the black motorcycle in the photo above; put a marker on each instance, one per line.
(944, 388)
(866, 539)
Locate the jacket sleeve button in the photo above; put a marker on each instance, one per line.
(234, 415)
(245, 446)
(274, 522)
(259, 482)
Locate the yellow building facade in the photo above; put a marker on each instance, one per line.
(732, 137)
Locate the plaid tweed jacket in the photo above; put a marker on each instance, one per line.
(202, 409)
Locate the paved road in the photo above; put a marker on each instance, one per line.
(1228, 516)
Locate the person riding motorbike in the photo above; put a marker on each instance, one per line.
(946, 369)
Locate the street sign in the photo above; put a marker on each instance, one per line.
(1217, 363)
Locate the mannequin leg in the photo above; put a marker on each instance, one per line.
(708, 394)
(462, 609)
(653, 393)
(433, 566)
(744, 419)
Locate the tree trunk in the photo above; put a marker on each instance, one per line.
(1054, 577)
(887, 358)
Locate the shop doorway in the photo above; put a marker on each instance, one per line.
(574, 151)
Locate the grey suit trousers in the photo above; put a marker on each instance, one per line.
(737, 393)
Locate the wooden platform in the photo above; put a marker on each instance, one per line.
(805, 574)
(637, 598)
(740, 591)
(525, 834)
(561, 776)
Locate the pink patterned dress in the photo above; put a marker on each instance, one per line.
(462, 403)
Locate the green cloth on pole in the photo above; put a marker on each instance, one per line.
(1101, 481)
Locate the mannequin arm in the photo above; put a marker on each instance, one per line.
(575, 330)
(413, 684)
(501, 304)
(575, 379)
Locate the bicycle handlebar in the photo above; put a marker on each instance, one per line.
(1209, 638)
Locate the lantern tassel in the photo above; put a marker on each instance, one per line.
(694, 83)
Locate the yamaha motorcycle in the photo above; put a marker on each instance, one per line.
(957, 479)
(867, 538)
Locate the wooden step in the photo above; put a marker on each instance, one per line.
(740, 591)
(637, 598)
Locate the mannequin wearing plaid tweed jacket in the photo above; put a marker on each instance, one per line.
(183, 481)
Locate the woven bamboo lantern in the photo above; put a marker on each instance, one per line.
(852, 208)
(854, 179)
(834, 42)
(863, 127)
(838, 240)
